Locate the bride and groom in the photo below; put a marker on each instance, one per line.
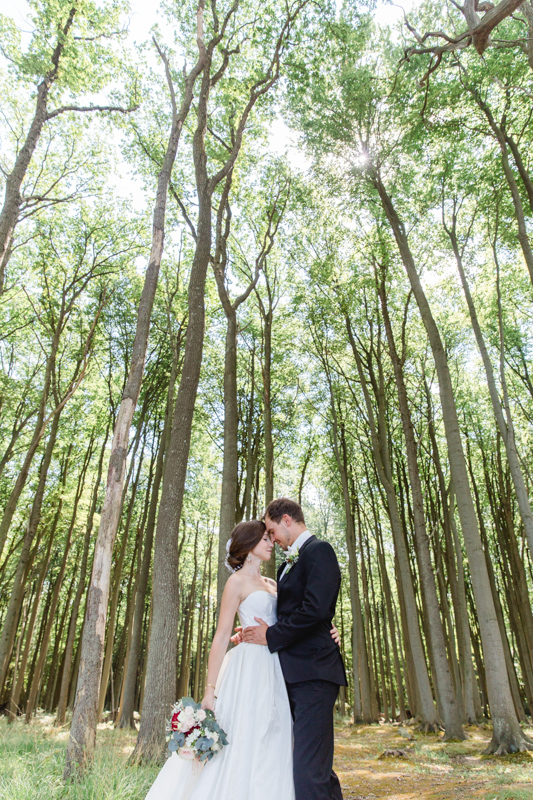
(275, 692)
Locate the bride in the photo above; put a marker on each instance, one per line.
(251, 697)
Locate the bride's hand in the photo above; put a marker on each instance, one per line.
(335, 635)
(208, 700)
(237, 638)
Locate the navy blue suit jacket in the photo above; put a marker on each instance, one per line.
(307, 595)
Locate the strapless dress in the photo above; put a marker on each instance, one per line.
(253, 708)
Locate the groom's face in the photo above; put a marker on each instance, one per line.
(279, 531)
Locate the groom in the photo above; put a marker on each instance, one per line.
(308, 585)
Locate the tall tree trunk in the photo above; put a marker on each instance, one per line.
(506, 428)
(456, 575)
(361, 680)
(18, 684)
(127, 703)
(71, 635)
(43, 651)
(377, 426)
(230, 468)
(17, 589)
(450, 709)
(117, 577)
(267, 317)
(499, 135)
(507, 733)
(13, 199)
(161, 665)
(230, 465)
(80, 751)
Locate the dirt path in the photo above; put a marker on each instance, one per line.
(430, 770)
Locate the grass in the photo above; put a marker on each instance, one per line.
(32, 759)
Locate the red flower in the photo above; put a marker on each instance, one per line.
(174, 721)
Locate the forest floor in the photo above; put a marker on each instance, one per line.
(430, 769)
(32, 761)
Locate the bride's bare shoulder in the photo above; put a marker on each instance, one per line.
(235, 580)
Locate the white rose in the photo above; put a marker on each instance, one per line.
(200, 715)
(214, 736)
(216, 747)
(187, 753)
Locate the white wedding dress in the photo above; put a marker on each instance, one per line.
(253, 708)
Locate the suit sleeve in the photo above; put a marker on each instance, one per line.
(322, 586)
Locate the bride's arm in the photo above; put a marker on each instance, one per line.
(228, 608)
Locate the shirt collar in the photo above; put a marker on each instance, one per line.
(297, 544)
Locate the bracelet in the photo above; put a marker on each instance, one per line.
(211, 685)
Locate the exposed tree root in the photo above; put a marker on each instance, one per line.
(454, 736)
(429, 727)
(508, 744)
(147, 754)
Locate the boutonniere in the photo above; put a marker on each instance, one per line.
(292, 558)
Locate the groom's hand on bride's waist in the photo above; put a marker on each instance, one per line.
(256, 634)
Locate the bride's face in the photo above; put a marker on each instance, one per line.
(263, 549)
(279, 532)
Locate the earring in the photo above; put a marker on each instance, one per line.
(249, 557)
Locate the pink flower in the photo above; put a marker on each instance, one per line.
(187, 753)
(201, 715)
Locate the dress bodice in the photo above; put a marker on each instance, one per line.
(258, 604)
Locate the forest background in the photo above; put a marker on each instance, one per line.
(262, 249)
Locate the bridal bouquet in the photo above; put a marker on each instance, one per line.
(194, 732)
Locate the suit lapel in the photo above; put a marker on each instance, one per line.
(284, 577)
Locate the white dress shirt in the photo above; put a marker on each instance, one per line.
(295, 546)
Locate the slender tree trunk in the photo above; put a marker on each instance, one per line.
(127, 703)
(506, 429)
(456, 576)
(230, 466)
(53, 682)
(267, 422)
(250, 441)
(113, 605)
(499, 135)
(38, 433)
(361, 688)
(428, 712)
(45, 642)
(507, 733)
(450, 709)
(17, 589)
(19, 683)
(13, 199)
(161, 666)
(71, 635)
(43, 652)
(81, 745)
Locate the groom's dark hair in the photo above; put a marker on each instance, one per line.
(277, 508)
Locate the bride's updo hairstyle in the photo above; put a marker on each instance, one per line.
(245, 536)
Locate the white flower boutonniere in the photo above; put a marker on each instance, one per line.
(291, 559)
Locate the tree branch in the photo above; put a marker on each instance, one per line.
(84, 109)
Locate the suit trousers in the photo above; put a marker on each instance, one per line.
(312, 704)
